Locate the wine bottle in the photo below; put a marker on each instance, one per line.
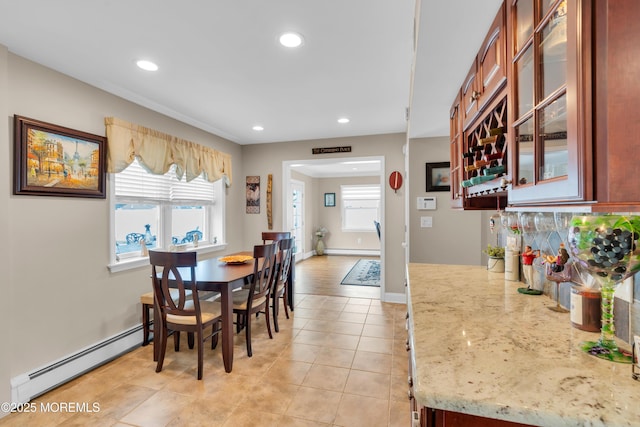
(493, 156)
(488, 140)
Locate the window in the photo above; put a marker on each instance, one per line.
(360, 207)
(160, 211)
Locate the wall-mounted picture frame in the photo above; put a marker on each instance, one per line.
(329, 199)
(253, 194)
(438, 176)
(52, 160)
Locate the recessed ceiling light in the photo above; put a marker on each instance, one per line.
(343, 120)
(147, 65)
(290, 39)
(258, 128)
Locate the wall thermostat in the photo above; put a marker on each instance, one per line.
(426, 203)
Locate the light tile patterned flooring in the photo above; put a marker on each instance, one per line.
(338, 361)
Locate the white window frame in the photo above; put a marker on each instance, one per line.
(215, 218)
(367, 196)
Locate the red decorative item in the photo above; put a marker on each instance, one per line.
(395, 180)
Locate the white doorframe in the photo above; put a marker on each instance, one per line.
(286, 204)
(299, 236)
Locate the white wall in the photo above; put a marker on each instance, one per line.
(57, 289)
(457, 237)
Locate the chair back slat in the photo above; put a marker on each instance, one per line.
(171, 278)
(263, 273)
(285, 255)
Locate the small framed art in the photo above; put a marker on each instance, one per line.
(438, 176)
(329, 199)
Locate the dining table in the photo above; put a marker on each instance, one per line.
(218, 276)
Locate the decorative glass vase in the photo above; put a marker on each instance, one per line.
(319, 246)
(606, 246)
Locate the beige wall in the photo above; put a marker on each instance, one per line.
(56, 282)
(62, 296)
(456, 236)
(6, 285)
(331, 217)
(263, 159)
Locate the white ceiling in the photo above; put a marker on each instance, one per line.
(222, 70)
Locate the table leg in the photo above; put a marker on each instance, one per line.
(227, 328)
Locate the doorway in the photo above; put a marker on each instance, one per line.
(328, 168)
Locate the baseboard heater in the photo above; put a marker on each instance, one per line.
(28, 386)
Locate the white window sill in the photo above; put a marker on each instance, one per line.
(136, 262)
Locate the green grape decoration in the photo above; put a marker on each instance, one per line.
(607, 247)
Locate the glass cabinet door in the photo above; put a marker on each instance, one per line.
(552, 131)
(539, 69)
(523, 23)
(553, 52)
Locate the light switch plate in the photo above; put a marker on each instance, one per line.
(426, 221)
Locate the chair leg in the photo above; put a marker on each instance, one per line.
(275, 309)
(190, 339)
(248, 336)
(238, 323)
(176, 340)
(214, 338)
(285, 298)
(266, 315)
(145, 324)
(200, 352)
(162, 334)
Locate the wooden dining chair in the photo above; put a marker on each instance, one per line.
(255, 299)
(186, 312)
(274, 236)
(280, 288)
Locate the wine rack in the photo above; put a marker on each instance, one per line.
(484, 158)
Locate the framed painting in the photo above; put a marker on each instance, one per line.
(438, 176)
(330, 199)
(51, 160)
(253, 194)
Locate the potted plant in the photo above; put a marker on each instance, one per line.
(495, 263)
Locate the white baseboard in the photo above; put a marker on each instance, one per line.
(395, 298)
(27, 386)
(356, 252)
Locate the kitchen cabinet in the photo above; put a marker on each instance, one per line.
(546, 70)
(456, 152)
(478, 110)
(573, 79)
(487, 74)
(571, 91)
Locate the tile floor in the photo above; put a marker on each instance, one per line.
(339, 361)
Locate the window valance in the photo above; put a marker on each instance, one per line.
(157, 151)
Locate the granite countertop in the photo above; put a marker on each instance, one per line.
(480, 347)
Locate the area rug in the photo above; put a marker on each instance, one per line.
(366, 272)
